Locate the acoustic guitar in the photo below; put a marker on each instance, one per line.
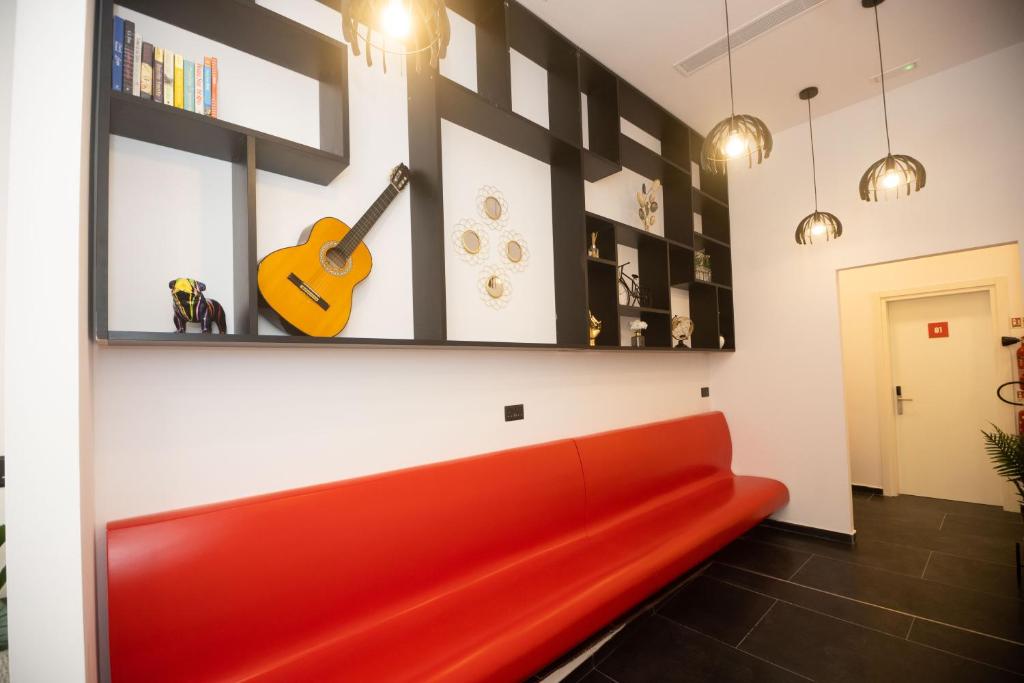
(311, 285)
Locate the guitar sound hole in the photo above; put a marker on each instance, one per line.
(334, 261)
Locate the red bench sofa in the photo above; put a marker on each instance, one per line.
(480, 569)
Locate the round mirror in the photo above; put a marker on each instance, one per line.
(495, 287)
(492, 207)
(471, 242)
(514, 251)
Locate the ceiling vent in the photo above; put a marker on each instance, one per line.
(746, 33)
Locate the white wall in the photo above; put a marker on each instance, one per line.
(860, 319)
(783, 388)
(46, 370)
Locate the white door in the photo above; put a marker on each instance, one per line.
(949, 383)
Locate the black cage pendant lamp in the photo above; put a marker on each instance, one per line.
(819, 224)
(740, 135)
(893, 173)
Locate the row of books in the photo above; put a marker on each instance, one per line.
(154, 73)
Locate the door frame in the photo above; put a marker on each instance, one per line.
(995, 288)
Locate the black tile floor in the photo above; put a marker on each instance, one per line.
(928, 593)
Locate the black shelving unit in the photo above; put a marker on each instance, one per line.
(245, 26)
(581, 283)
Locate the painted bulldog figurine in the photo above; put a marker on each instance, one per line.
(191, 306)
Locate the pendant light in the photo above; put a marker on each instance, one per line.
(820, 223)
(894, 172)
(421, 28)
(737, 136)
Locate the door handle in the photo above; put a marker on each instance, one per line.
(900, 399)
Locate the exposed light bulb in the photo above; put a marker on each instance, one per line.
(891, 179)
(395, 19)
(818, 229)
(735, 146)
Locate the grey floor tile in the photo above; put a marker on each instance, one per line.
(975, 646)
(716, 609)
(867, 551)
(765, 558)
(917, 597)
(658, 650)
(878, 618)
(987, 577)
(828, 649)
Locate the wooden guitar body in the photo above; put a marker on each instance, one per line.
(308, 287)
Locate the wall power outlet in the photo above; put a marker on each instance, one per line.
(514, 412)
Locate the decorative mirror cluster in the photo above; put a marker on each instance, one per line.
(472, 239)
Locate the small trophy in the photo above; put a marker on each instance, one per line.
(595, 328)
(592, 251)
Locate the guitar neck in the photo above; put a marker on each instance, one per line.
(362, 227)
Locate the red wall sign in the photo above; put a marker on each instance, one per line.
(938, 330)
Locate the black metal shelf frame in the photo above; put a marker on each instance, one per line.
(581, 283)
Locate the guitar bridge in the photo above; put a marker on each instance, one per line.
(308, 291)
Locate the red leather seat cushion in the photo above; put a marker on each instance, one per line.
(507, 625)
(227, 590)
(630, 467)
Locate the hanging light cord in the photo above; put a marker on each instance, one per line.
(728, 52)
(881, 70)
(814, 168)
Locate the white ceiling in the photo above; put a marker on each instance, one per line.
(832, 46)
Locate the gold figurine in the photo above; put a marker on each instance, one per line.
(592, 251)
(595, 328)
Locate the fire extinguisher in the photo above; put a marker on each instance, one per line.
(1020, 379)
(1019, 382)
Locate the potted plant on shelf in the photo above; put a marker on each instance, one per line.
(1006, 451)
(638, 327)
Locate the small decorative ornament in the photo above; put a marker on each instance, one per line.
(493, 208)
(192, 306)
(637, 327)
(682, 330)
(648, 204)
(495, 287)
(721, 342)
(514, 253)
(593, 251)
(471, 243)
(702, 266)
(595, 328)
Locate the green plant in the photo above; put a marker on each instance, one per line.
(1006, 451)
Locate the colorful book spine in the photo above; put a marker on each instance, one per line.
(128, 56)
(213, 87)
(207, 85)
(117, 74)
(190, 85)
(158, 74)
(146, 77)
(168, 78)
(179, 82)
(137, 66)
(199, 88)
